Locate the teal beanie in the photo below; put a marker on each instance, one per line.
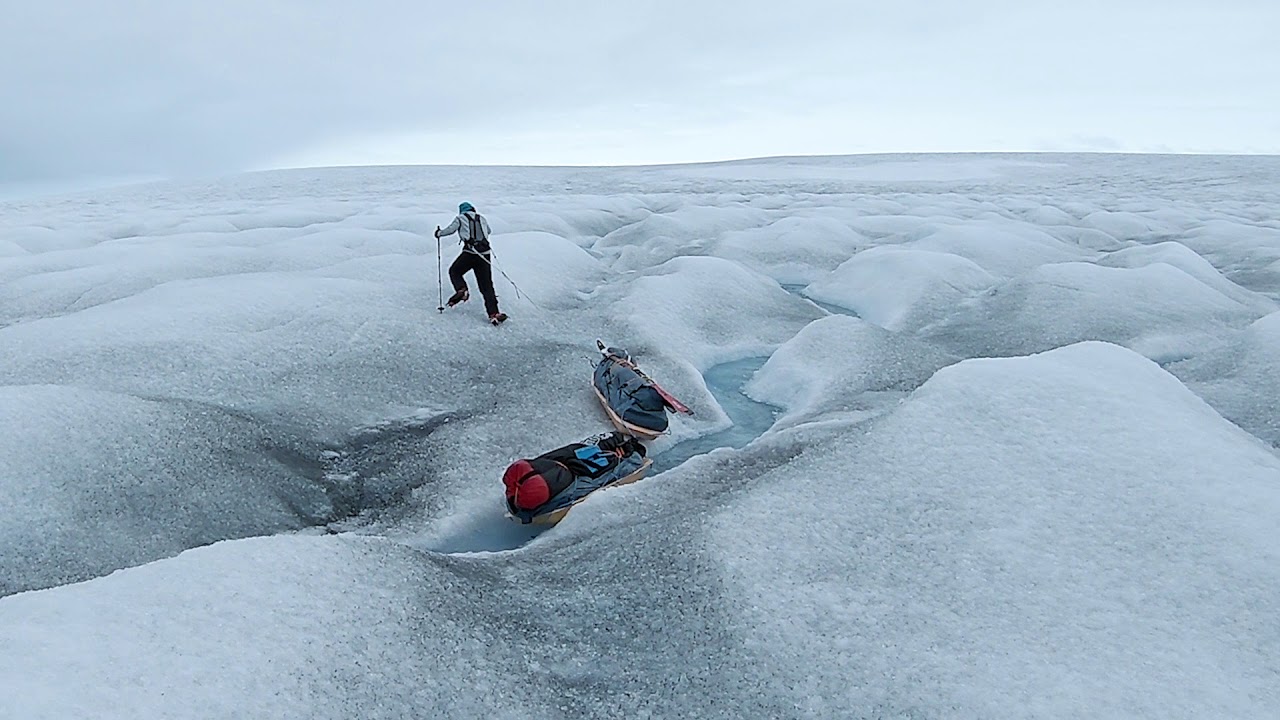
(465, 207)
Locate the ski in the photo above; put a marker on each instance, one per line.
(625, 360)
(667, 397)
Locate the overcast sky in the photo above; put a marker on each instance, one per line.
(111, 88)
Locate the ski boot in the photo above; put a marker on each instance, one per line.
(497, 318)
(459, 297)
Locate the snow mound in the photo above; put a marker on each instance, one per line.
(1059, 535)
(900, 288)
(999, 247)
(842, 364)
(1156, 309)
(38, 239)
(683, 230)
(1124, 225)
(1242, 379)
(549, 269)
(1049, 215)
(1247, 254)
(713, 310)
(269, 627)
(889, 227)
(794, 250)
(91, 482)
(1186, 260)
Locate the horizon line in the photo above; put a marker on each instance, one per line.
(14, 191)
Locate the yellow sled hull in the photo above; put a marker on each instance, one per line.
(623, 425)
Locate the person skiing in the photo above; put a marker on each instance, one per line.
(476, 257)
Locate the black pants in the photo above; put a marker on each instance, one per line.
(469, 261)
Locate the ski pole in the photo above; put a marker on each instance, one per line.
(439, 271)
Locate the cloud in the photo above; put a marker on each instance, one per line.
(150, 87)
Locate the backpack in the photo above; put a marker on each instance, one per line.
(478, 242)
(532, 483)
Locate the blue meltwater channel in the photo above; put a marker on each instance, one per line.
(750, 418)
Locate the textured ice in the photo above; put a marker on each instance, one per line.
(922, 532)
(900, 287)
(1062, 535)
(1185, 259)
(1124, 225)
(270, 627)
(793, 250)
(91, 481)
(1242, 378)
(1156, 309)
(714, 310)
(999, 248)
(843, 364)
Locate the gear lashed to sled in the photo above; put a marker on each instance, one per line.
(634, 402)
(542, 490)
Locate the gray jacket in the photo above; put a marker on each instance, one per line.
(462, 226)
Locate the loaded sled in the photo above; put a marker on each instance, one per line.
(634, 403)
(542, 490)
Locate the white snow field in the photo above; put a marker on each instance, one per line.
(1015, 453)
